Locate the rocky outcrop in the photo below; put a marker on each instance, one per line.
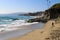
(37, 20)
(54, 11)
(51, 13)
(33, 14)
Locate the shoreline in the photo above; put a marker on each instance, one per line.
(39, 34)
(21, 32)
(12, 27)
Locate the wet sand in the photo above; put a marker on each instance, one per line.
(23, 30)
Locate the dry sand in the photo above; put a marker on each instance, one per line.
(39, 34)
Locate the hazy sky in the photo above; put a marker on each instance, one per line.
(10, 6)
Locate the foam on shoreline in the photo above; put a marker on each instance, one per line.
(14, 25)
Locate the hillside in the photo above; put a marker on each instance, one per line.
(51, 13)
(56, 5)
(54, 11)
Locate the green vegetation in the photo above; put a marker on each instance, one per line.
(51, 13)
(54, 11)
(56, 5)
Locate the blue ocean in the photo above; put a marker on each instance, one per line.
(7, 19)
(12, 22)
(15, 25)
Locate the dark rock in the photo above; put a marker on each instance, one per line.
(15, 19)
(51, 13)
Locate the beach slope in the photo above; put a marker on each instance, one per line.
(40, 34)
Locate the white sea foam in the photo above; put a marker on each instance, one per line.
(14, 25)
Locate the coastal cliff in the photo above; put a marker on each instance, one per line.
(51, 13)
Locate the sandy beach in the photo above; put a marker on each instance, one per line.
(29, 19)
(20, 31)
(39, 34)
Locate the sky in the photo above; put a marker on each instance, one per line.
(12, 6)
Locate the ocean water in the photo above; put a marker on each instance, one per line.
(12, 22)
(9, 25)
(9, 19)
